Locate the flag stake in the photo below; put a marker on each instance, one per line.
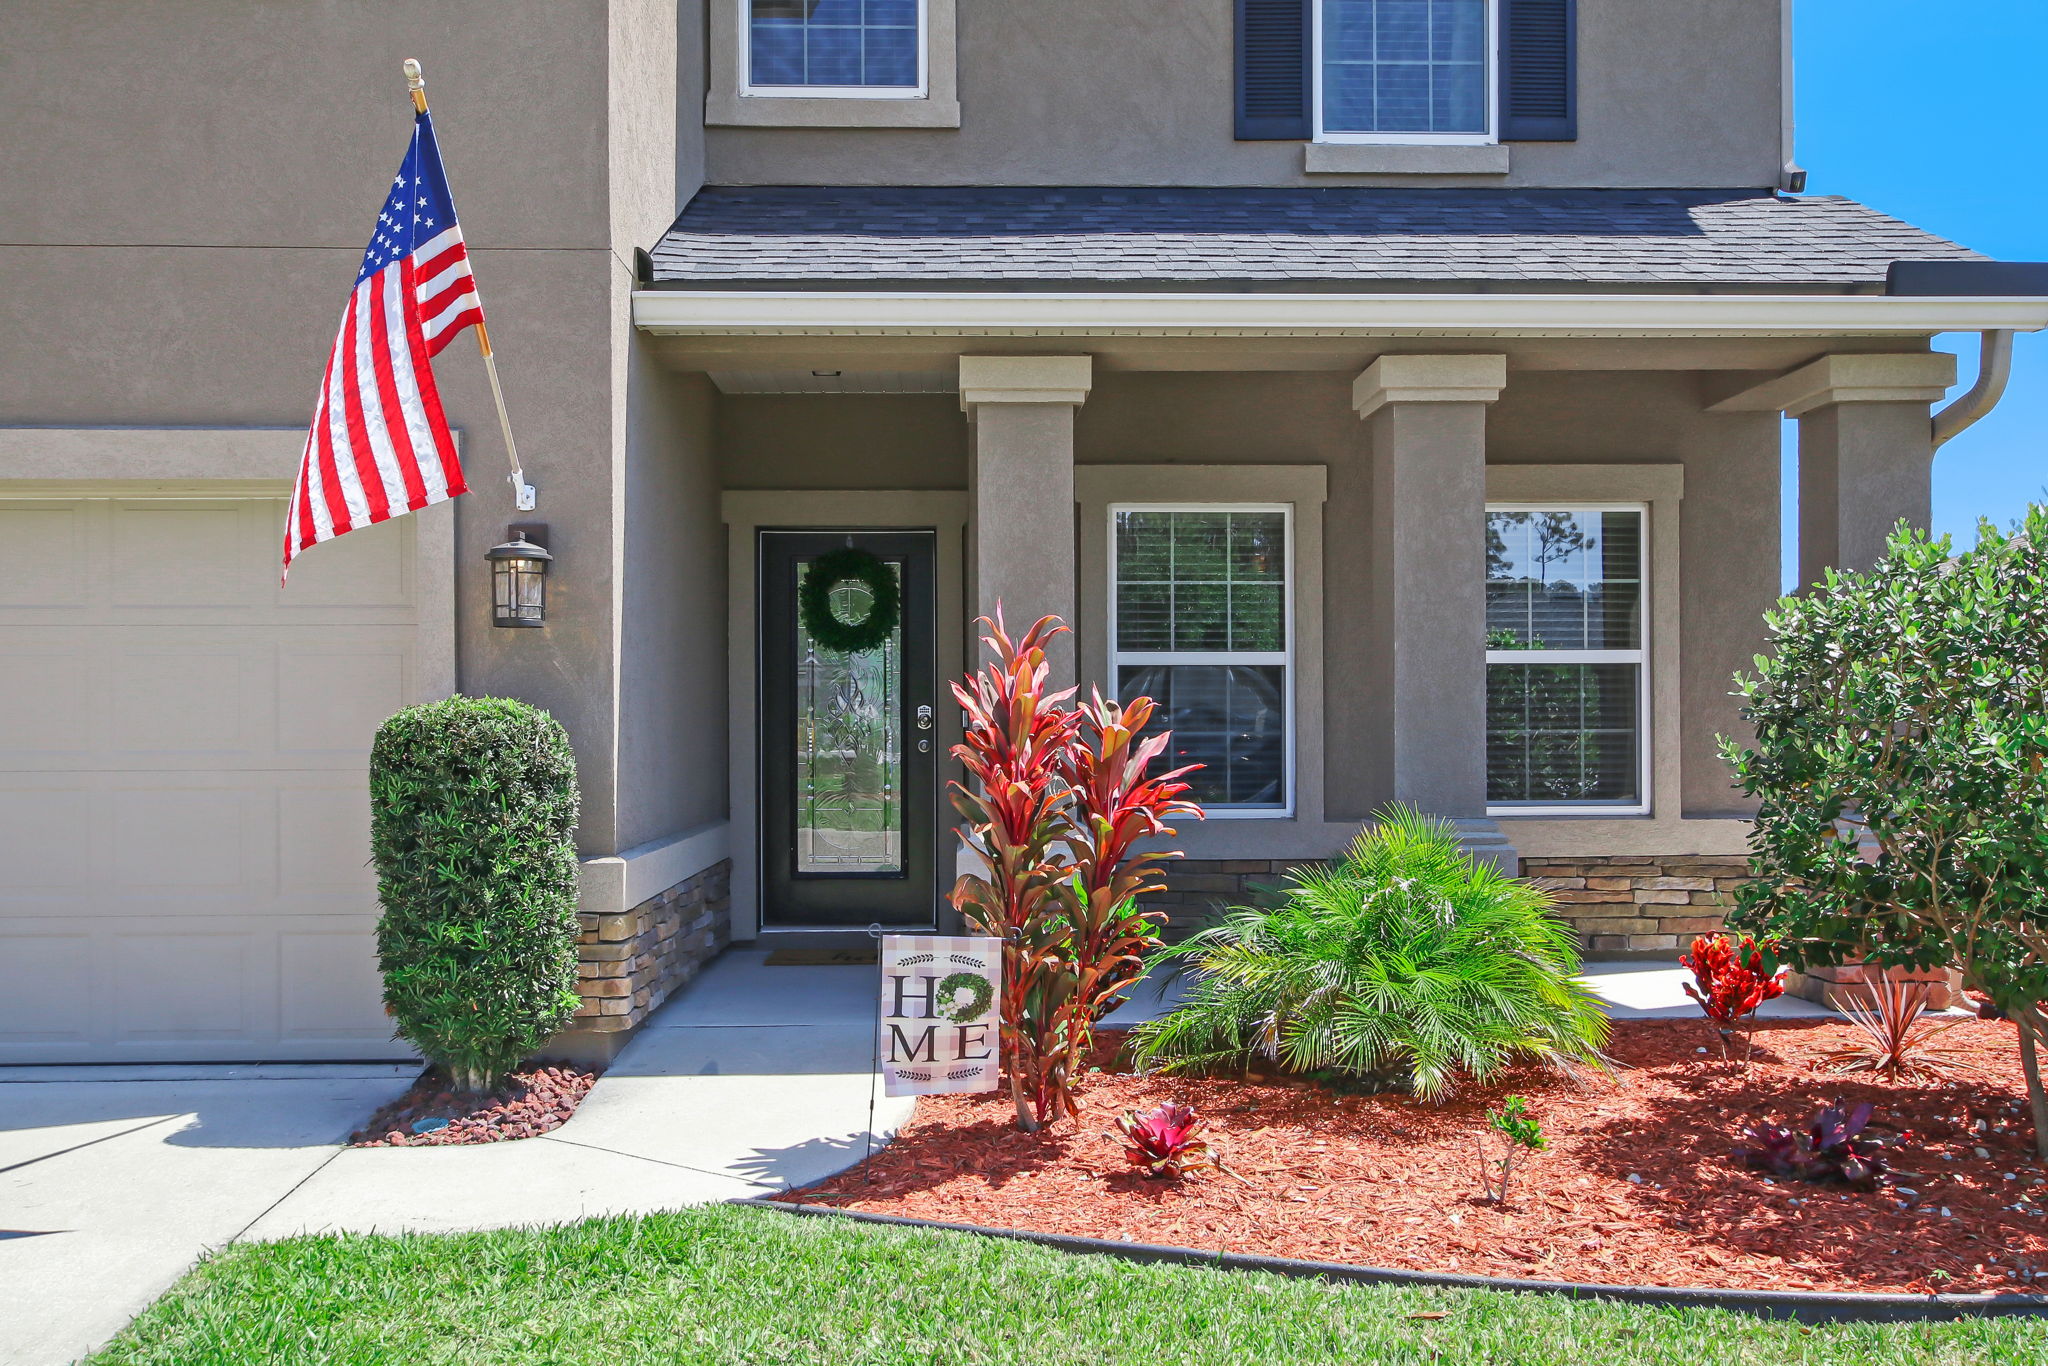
(522, 492)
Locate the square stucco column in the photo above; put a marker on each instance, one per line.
(1020, 411)
(1866, 449)
(1425, 418)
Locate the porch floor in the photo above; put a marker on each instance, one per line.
(1627, 989)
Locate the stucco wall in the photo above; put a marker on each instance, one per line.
(672, 671)
(1133, 92)
(192, 187)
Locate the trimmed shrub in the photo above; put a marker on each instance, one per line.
(472, 817)
(1406, 962)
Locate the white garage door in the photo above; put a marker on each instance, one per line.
(184, 825)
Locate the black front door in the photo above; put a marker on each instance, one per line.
(849, 745)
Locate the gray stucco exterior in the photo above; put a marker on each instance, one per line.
(199, 176)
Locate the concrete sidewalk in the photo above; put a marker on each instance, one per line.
(113, 1182)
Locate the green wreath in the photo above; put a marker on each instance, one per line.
(827, 627)
(980, 993)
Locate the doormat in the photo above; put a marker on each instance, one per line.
(822, 958)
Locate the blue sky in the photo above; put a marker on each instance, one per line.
(1938, 114)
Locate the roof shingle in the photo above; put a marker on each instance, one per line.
(1301, 238)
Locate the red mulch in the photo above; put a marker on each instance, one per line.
(527, 1106)
(1389, 1181)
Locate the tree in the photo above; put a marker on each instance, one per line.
(1901, 769)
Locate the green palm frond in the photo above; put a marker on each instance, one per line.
(1405, 955)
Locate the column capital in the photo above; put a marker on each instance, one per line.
(1428, 379)
(1912, 377)
(1025, 379)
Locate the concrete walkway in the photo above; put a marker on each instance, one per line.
(113, 1182)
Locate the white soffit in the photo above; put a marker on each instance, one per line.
(993, 313)
(835, 381)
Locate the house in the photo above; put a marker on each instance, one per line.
(1392, 387)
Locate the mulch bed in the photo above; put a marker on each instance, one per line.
(429, 1115)
(1638, 1186)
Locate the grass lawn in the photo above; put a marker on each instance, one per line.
(739, 1285)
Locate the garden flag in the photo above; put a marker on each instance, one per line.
(379, 445)
(939, 1025)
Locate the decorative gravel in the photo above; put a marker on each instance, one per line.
(430, 1115)
(1638, 1186)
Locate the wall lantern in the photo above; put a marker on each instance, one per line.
(519, 577)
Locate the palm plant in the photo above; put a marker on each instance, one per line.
(1405, 958)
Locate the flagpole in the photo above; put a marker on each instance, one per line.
(522, 492)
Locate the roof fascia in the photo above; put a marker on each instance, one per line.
(721, 312)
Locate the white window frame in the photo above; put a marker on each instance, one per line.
(1119, 658)
(1491, 83)
(838, 92)
(1640, 657)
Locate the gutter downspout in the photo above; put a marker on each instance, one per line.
(1994, 369)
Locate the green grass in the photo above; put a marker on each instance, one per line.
(738, 1285)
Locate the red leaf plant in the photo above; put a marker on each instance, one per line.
(1734, 978)
(1165, 1142)
(1059, 796)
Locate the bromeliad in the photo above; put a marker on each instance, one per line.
(1166, 1141)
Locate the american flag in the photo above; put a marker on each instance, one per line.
(379, 445)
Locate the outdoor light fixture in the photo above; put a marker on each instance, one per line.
(519, 578)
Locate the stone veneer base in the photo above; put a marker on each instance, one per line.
(632, 961)
(1623, 906)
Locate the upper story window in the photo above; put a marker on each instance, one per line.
(1404, 71)
(1200, 616)
(1567, 682)
(859, 49)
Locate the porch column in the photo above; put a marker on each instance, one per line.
(1020, 480)
(1425, 417)
(1866, 449)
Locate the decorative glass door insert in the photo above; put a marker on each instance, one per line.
(849, 745)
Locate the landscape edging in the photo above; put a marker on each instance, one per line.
(1804, 1306)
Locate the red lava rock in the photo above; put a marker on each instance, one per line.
(1389, 1181)
(531, 1104)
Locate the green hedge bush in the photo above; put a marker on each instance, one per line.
(472, 820)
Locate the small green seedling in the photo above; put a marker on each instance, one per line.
(1519, 1134)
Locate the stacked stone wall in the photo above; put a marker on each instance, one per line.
(632, 961)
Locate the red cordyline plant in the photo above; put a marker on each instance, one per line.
(1165, 1142)
(1059, 798)
(1734, 977)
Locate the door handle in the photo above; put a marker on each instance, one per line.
(924, 718)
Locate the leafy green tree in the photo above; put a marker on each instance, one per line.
(1900, 763)
(472, 823)
(1407, 961)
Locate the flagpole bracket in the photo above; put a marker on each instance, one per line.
(524, 499)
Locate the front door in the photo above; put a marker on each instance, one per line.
(849, 745)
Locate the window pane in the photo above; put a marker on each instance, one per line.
(849, 752)
(1230, 718)
(1563, 733)
(1144, 616)
(857, 43)
(1559, 579)
(1201, 616)
(1404, 66)
(1257, 617)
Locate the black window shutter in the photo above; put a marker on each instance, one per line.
(1272, 70)
(1539, 71)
